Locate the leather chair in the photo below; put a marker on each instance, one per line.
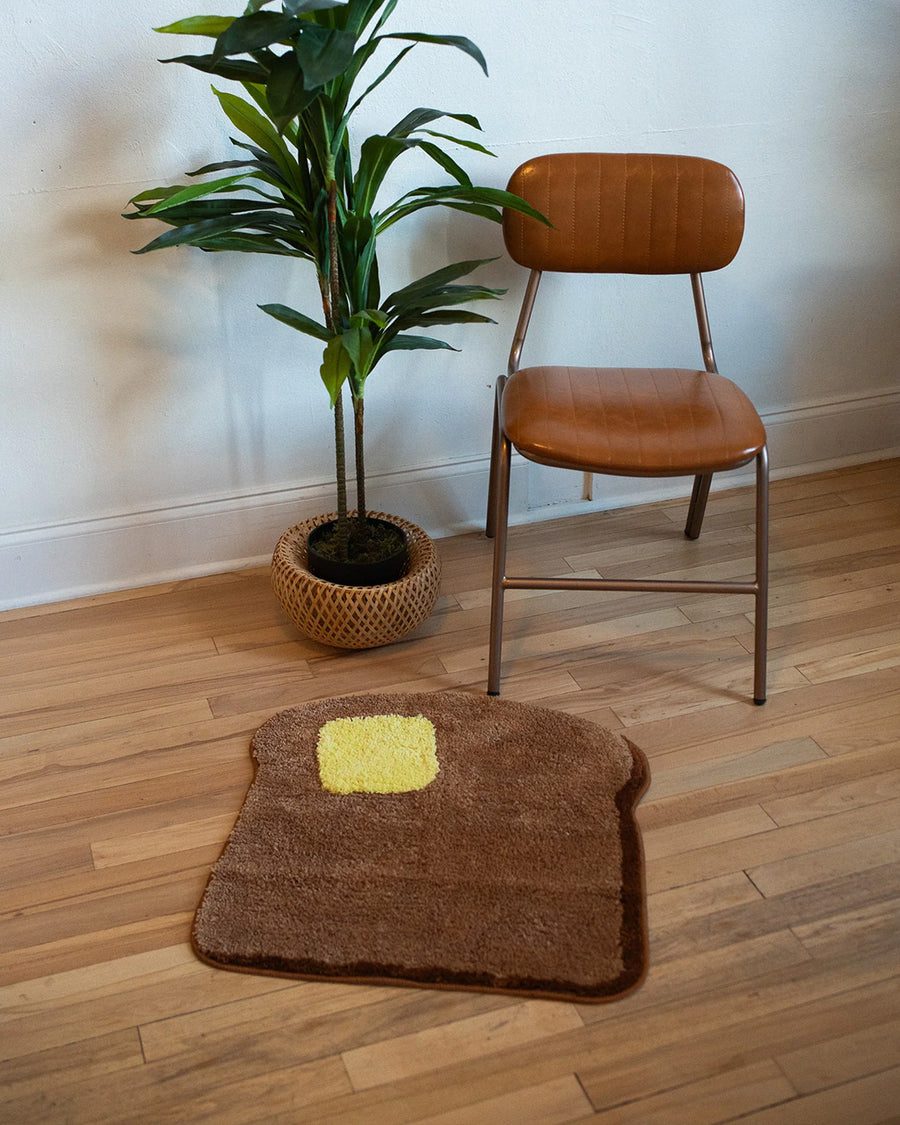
(632, 214)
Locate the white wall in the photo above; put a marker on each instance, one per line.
(156, 424)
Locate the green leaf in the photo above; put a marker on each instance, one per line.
(405, 343)
(298, 320)
(259, 129)
(196, 191)
(357, 341)
(466, 142)
(323, 53)
(298, 7)
(211, 26)
(335, 369)
(458, 41)
(371, 316)
(497, 197)
(443, 316)
(432, 281)
(249, 33)
(154, 193)
(271, 173)
(191, 234)
(218, 207)
(446, 161)
(375, 158)
(251, 244)
(360, 58)
(482, 201)
(236, 70)
(221, 165)
(482, 210)
(423, 116)
(286, 89)
(358, 264)
(361, 15)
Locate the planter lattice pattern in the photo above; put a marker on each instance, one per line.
(355, 616)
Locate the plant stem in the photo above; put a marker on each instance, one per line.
(358, 431)
(343, 523)
(334, 285)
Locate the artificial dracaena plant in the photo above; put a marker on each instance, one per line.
(297, 190)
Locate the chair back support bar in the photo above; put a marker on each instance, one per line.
(626, 213)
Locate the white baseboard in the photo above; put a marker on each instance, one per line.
(214, 534)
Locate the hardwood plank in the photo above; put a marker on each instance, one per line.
(405, 1056)
(557, 1102)
(707, 1101)
(23, 1079)
(805, 779)
(705, 832)
(310, 1021)
(62, 848)
(91, 947)
(75, 739)
(202, 1032)
(696, 899)
(843, 1058)
(830, 799)
(791, 714)
(833, 903)
(134, 740)
(847, 858)
(210, 1095)
(867, 1101)
(156, 785)
(771, 759)
(100, 913)
(58, 890)
(767, 848)
(46, 994)
(29, 693)
(682, 970)
(875, 927)
(137, 993)
(649, 1073)
(571, 639)
(163, 841)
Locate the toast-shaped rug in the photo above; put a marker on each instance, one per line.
(438, 839)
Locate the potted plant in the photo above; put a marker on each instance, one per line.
(303, 186)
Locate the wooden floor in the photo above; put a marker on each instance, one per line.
(771, 837)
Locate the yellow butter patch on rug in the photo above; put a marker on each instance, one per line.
(377, 754)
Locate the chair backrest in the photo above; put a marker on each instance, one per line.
(626, 213)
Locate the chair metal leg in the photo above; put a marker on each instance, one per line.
(762, 577)
(490, 528)
(697, 507)
(501, 528)
(499, 510)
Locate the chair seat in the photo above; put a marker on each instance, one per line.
(631, 421)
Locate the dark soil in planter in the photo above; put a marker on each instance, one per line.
(377, 552)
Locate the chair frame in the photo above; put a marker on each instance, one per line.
(498, 517)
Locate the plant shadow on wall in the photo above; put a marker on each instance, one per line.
(302, 185)
(138, 329)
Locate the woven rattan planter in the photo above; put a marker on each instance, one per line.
(355, 616)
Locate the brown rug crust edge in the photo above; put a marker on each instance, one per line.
(635, 950)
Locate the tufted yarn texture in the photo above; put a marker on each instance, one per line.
(519, 868)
